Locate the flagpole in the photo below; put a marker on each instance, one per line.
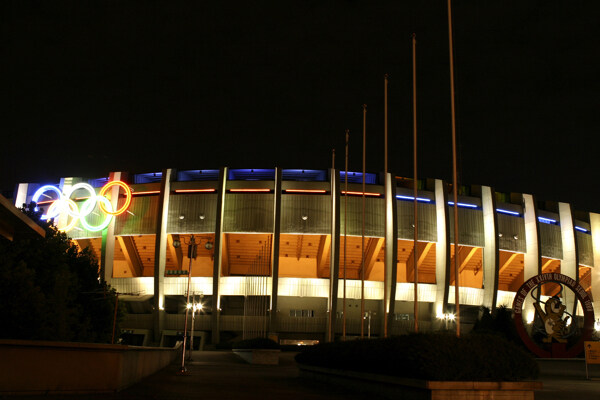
(416, 218)
(385, 172)
(331, 317)
(362, 270)
(454, 174)
(345, 235)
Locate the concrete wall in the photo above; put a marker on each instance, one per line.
(36, 367)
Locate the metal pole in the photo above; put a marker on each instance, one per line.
(415, 181)
(385, 171)
(112, 341)
(369, 334)
(454, 174)
(191, 253)
(362, 269)
(331, 317)
(193, 323)
(345, 235)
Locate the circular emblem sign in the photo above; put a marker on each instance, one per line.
(551, 314)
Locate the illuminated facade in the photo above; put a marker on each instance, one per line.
(270, 241)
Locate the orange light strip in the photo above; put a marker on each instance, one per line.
(249, 190)
(305, 191)
(45, 202)
(361, 193)
(148, 192)
(195, 190)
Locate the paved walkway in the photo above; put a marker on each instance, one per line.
(222, 375)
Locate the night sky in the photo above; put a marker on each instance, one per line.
(93, 87)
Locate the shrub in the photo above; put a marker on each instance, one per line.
(439, 357)
(256, 343)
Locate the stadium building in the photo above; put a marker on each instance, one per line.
(268, 250)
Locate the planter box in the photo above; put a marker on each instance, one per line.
(402, 388)
(259, 356)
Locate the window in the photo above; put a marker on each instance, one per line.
(401, 317)
(302, 313)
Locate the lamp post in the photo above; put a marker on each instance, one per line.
(195, 307)
(192, 254)
(192, 250)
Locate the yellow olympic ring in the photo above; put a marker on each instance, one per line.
(127, 198)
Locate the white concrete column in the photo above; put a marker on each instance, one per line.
(65, 186)
(532, 247)
(160, 252)
(215, 318)
(441, 249)
(391, 252)
(273, 320)
(490, 251)
(21, 196)
(334, 264)
(108, 235)
(595, 227)
(569, 265)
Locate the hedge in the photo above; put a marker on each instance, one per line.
(439, 357)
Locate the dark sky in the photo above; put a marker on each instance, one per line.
(93, 87)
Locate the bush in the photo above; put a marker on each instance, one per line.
(438, 357)
(49, 290)
(500, 322)
(256, 343)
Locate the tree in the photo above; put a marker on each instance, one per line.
(49, 289)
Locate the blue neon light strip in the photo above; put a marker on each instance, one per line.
(315, 175)
(547, 220)
(503, 211)
(466, 205)
(147, 178)
(198, 175)
(356, 177)
(251, 174)
(422, 199)
(580, 229)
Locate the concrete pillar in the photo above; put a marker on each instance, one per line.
(273, 327)
(569, 265)
(533, 252)
(490, 251)
(21, 195)
(107, 255)
(334, 264)
(442, 249)
(595, 228)
(160, 253)
(391, 252)
(218, 258)
(65, 185)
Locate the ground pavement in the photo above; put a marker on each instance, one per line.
(222, 375)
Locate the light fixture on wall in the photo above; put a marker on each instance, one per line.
(304, 217)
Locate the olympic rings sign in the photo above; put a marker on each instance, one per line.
(64, 203)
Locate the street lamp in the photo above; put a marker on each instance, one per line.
(194, 307)
(192, 254)
(447, 317)
(368, 316)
